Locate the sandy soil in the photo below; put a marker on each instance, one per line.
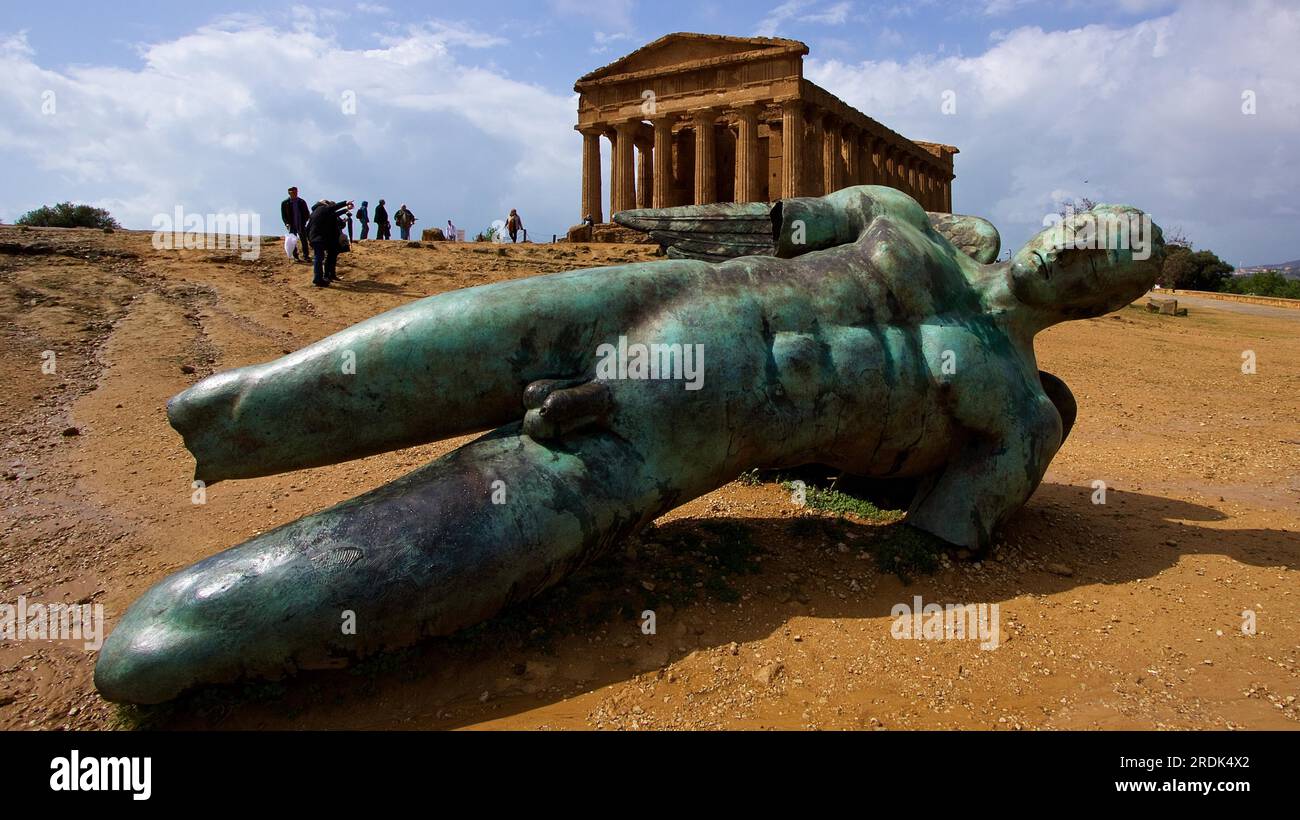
(1126, 614)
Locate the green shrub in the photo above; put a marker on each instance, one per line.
(68, 215)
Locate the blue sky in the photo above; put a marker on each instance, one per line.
(466, 110)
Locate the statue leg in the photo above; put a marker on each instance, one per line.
(492, 523)
(447, 365)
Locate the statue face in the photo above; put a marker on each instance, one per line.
(1089, 263)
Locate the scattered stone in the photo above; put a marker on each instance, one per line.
(187, 369)
(1060, 569)
(71, 431)
(766, 674)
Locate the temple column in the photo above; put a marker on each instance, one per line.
(624, 175)
(912, 185)
(591, 205)
(875, 161)
(852, 156)
(663, 164)
(813, 178)
(947, 196)
(706, 175)
(830, 155)
(612, 136)
(792, 159)
(747, 153)
(644, 174)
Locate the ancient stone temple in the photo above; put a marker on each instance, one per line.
(699, 118)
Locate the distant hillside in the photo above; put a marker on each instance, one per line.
(1291, 270)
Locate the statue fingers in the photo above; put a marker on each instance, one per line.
(558, 407)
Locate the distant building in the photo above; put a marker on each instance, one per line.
(700, 118)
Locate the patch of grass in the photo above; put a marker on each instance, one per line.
(906, 552)
(750, 478)
(836, 502)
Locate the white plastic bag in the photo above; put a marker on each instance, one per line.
(290, 245)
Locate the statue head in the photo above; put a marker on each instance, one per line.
(1089, 263)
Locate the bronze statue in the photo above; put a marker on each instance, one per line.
(852, 330)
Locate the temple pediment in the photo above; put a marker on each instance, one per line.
(684, 51)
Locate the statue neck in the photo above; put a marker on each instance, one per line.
(1023, 322)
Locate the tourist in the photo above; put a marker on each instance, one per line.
(363, 216)
(514, 224)
(404, 219)
(294, 214)
(325, 231)
(382, 227)
(451, 231)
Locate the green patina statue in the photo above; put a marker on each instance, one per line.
(852, 330)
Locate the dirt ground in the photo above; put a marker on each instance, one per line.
(1127, 614)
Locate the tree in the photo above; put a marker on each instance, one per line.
(1193, 270)
(1176, 236)
(1264, 283)
(1070, 205)
(67, 215)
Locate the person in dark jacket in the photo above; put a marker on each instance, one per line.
(324, 230)
(294, 214)
(363, 216)
(383, 230)
(514, 225)
(404, 220)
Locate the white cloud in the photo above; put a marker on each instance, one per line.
(778, 16)
(804, 12)
(605, 40)
(228, 116)
(1149, 114)
(834, 15)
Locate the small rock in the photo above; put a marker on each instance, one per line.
(766, 674)
(71, 431)
(1060, 569)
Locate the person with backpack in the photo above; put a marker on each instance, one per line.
(514, 225)
(363, 216)
(382, 227)
(325, 231)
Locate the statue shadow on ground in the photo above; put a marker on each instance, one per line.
(711, 582)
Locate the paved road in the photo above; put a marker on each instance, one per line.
(1292, 314)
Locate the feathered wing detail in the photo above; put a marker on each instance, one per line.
(973, 236)
(712, 233)
(726, 230)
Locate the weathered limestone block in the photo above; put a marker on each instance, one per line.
(433, 235)
(1165, 307)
